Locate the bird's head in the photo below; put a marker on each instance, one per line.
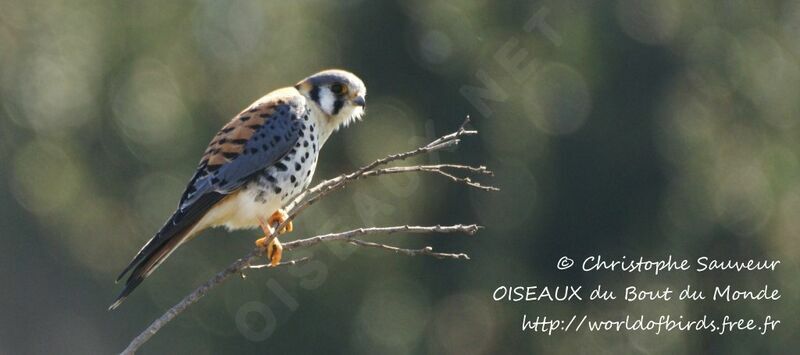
(337, 93)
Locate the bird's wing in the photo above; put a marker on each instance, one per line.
(257, 138)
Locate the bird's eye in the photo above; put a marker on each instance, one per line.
(338, 89)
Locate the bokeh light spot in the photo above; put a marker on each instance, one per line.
(558, 100)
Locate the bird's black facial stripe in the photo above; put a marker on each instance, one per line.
(315, 94)
(337, 105)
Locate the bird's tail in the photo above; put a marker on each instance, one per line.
(148, 263)
(179, 228)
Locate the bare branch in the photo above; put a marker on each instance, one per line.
(245, 263)
(439, 169)
(187, 301)
(283, 263)
(314, 194)
(410, 252)
(470, 229)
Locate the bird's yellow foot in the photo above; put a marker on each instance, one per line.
(274, 248)
(279, 217)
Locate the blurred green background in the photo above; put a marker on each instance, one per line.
(635, 128)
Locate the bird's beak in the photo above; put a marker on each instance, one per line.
(360, 101)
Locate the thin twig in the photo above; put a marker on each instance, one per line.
(314, 194)
(469, 229)
(282, 263)
(439, 169)
(410, 252)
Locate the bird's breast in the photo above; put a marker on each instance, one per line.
(281, 182)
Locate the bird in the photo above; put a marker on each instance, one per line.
(254, 166)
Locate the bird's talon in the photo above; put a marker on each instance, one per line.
(279, 217)
(274, 250)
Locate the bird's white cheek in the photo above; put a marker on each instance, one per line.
(326, 100)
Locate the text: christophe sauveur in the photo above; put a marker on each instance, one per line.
(701, 264)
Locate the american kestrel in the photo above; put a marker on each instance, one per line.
(256, 164)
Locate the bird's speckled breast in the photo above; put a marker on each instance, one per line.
(285, 179)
